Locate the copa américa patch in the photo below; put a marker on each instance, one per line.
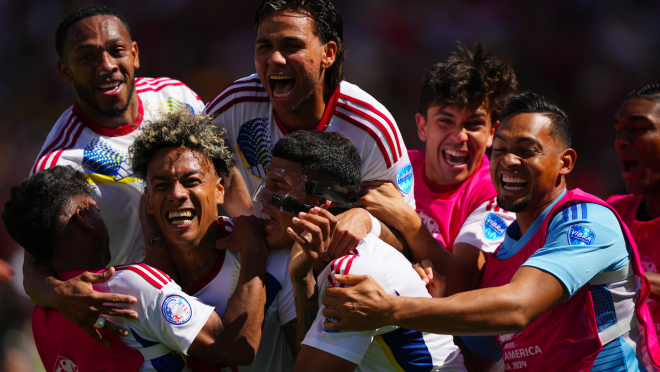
(404, 178)
(580, 235)
(176, 310)
(494, 227)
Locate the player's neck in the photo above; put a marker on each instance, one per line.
(310, 112)
(652, 203)
(192, 263)
(129, 116)
(527, 217)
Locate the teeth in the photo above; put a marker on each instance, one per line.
(180, 214)
(110, 85)
(181, 222)
(452, 163)
(281, 77)
(456, 152)
(510, 188)
(513, 179)
(282, 95)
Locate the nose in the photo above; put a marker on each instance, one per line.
(107, 64)
(177, 193)
(510, 161)
(276, 58)
(621, 140)
(460, 134)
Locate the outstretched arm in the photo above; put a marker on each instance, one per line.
(489, 311)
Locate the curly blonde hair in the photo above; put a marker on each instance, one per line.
(182, 128)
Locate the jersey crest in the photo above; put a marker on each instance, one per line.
(580, 235)
(176, 310)
(494, 227)
(253, 144)
(404, 178)
(63, 364)
(105, 164)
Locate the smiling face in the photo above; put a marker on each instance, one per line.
(527, 163)
(183, 192)
(637, 143)
(99, 59)
(456, 141)
(291, 60)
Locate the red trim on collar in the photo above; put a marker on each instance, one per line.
(111, 132)
(209, 276)
(325, 119)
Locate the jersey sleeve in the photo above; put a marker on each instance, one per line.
(485, 227)
(583, 240)
(400, 174)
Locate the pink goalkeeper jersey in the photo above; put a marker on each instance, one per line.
(445, 213)
(647, 237)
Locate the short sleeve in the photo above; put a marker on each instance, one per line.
(176, 318)
(485, 227)
(583, 240)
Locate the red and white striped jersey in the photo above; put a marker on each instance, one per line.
(168, 319)
(389, 348)
(103, 153)
(254, 127)
(484, 228)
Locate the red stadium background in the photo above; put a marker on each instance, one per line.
(586, 55)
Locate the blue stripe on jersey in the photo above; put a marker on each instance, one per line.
(565, 213)
(409, 350)
(574, 212)
(611, 357)
(273, 287)
(172, 362)
(142, 341)
(584, 210)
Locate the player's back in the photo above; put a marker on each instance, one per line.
(388, 348)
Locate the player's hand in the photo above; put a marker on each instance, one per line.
(247, 238)
(352, 226)
(319, 228)
(384, 201)
(78, 302)
(363, 307)
(436, 284)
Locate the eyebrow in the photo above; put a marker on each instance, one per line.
(288, 38)
(83, 47)
(163, 178)
(521, 139)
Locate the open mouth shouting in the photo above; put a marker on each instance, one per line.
(455, 158)
(629, 167)
(180, 218)
(513, 183)
(281, 86)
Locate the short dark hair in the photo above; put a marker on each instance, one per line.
(329, 157)
(182, 128)
(80, 14)
(468, 80)
(649, 92)
(328, 26)
(33, 214)
(528, 102)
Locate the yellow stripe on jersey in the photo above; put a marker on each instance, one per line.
(101, 178)
(388, 353)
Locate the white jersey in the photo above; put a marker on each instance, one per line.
(254, 127)
(389, 348)
(168, 319)
(484, 228)
(218, 285)
(103, 154)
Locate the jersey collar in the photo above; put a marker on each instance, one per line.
(325, 119)
(111, 132)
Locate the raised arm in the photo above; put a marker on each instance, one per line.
(489, 311)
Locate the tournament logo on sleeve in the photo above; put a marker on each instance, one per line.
(176, 310)
(404, 178)
(580, 235)
(253, 144)
(494, 227)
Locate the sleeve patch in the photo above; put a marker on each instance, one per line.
(580, 235)
(404, 178)
(176, 310)
(494, 227)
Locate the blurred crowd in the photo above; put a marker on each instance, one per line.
(583, 54)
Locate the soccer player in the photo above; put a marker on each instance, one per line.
(185, 161)
(314, 175)
(299, 84)
(98, 57)
(53, 216)
(460, 100)
(565, 291)
(637, 126)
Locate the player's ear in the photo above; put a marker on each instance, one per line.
(80, 220)
(64, 71)
(150, 208)
(421, 126)
(220, 196)
(568, 158)
(136, 55)
(329, 54)
(493, 128)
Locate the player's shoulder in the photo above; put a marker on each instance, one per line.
(352, 94)
(165, 88)
(593, 215)
(248, 89)
(140, 277)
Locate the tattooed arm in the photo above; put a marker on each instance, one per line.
(394, 238)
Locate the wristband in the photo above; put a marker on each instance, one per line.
(375, 226)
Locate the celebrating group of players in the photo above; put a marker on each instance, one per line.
(344, 250)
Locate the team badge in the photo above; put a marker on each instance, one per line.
(494, 227)
(253, 144)
(176, 310)
(580, 235)
(404, 178)
(63, 364)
